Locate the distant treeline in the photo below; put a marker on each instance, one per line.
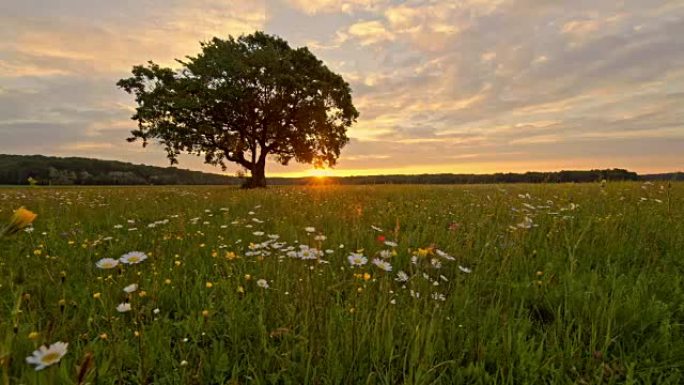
(47, 170)
(528, 177)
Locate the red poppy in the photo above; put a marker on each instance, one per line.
(380, 238)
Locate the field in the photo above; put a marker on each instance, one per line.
(509, 284)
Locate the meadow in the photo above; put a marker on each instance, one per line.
(505, 284)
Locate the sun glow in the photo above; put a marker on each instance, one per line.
(320, 172)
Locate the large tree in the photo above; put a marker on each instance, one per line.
(244, 100)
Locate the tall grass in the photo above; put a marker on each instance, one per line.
(588, 289)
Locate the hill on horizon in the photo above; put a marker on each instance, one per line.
(51, 170)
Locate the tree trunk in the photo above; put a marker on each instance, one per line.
(258, 176)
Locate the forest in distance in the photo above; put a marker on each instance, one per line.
(57, 171)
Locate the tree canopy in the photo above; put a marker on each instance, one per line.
(244, 100)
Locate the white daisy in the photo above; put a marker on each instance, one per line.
(391, 244)
(107, 263)
(401, 276)
(308, 253)
(436, 263)
(356, 259)
(444, 255)
(123, 307)
(384, 265)
(262, 283)
(132, 258)
(464, 269)
(131, 288)
(310, 229)
(46, 356)
(385, 254)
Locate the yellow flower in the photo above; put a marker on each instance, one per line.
(247, 277)
(142, 293)
(205, 313)
(167, 281)
(104, 336)
(20, 219)
(97, 295)
(136, 333)
(37, 252)
(209, 285)
(230, 255)
(178, 263)
(240, 289)
(366, 276)
(33, 336)
(423, 252)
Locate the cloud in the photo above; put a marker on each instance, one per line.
(333, 6)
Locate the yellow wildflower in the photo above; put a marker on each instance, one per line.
(33, 336)
(21, 219)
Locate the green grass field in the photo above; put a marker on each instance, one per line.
(510, 284)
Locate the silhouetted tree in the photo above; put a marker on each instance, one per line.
(243, 100)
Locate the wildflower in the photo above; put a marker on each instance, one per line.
(33, 336)
(376, 228)
(156, 311)
(142, 294)
(464, 269)
(184, 363)
(248, 277)
(258, 233)
(391, 244)
(208, 285)
(380, 238)
(308, 253)
(167, 281)
(103, 336)
(527, 223)
(401, 276)
(241, 289)
(205, 313)
(310, 229)
(320, 238)
(97, 295)
(385, 254)
(444, 255)
(131, 288)
(438, 297)
(436, 263)
(21, 219)
(262, 283)
(46, 356)
(384, 265)
(123, 307)
(132, 258)
(357, 259)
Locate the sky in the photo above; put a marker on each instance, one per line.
(470, 86)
